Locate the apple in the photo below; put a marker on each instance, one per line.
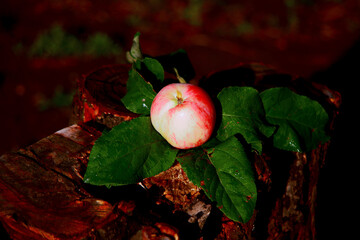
(183, 114)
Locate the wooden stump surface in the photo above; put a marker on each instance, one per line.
(43, 196)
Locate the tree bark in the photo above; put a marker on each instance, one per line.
(43, 196)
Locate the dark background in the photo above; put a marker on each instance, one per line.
(46, 45)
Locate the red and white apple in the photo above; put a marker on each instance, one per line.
(183, 114)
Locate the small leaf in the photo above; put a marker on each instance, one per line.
(226, 176)
(151, 70)
(135, 52)
(243, 113)
(301, 120)
(128, 153)
(140, 94)
(154, 67)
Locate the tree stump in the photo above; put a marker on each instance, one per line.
(43, 196)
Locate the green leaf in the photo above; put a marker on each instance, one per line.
(135, 52)
(243, 113)
(154, 67)
(128, 153)
(301, 120)
(226, 176)
(140, 94)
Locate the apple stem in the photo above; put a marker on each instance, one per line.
(179, 98)
(181, 80)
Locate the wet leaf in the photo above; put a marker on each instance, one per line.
(301, 121)
(243, 113)
(222, 169)
(128, 153)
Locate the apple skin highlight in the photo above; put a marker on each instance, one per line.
(183, 114)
